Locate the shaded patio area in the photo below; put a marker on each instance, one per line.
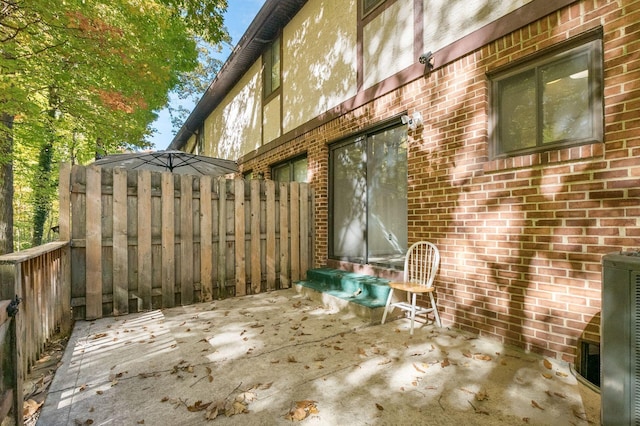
(279, 357)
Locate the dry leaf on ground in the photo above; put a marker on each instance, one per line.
(301, 410)
(536, 405)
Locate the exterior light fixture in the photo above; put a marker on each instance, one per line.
(412, 121)
(427, 60)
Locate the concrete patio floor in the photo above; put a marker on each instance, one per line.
(278, 358)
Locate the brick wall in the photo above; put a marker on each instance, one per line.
(521, 238)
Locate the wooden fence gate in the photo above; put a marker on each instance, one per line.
(146, 240)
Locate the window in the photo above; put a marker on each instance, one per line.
(548, 102)
(271, 61)
(291, 171)
(369, 5)
(368, 198)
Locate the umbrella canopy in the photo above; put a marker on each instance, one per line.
(170, 161)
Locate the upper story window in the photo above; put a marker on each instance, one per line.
(271, 60)
(551, 101)
(369, 5)
(294, 170)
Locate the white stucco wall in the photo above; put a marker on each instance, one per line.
(446, 21)
(235, 127)
(271, 120)
(387, 43)
(319, 60)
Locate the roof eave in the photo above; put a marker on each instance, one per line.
(271, 18)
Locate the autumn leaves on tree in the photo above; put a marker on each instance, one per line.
(109, 65)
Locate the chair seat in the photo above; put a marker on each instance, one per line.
(410, 287)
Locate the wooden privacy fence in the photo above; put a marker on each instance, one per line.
(39, 277)
(145, 240)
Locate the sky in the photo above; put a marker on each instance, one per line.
(239, 15)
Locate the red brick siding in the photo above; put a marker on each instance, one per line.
(521, 238)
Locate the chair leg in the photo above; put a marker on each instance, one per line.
(435, 309)
(386, 308)
(413, 311)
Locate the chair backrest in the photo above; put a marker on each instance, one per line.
(421, 263)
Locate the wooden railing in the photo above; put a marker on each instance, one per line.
(39, 278)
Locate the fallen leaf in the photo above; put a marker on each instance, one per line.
(198, 406)
(246, 396)
(482, 357)
(29, 407)
(362, 352)
(482, 395)
(547, 376)
(301, 410)
(297, 414)
(236, 408)
(467, 354)
(379, 407)
(445, 363)
(561, 374)
(536, 405)
(212, 413)
(99, 336)
(417, 368)
(291, 358)
(337, 348)
(547, 364)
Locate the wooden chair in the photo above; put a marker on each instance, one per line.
(420, 267)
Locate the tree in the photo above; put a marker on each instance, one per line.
(79, 77)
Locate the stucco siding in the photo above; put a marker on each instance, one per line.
(235, 127)
(388, 43)
(446, 21)
(271, 120)
(319, 60)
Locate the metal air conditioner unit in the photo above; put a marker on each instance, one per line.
(620, 339)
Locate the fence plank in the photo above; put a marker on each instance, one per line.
(256, 253)
(284, 236)
(144, 239)
(120, 244)
(270, 189)
(294, 208)
(168, 242)
(64, 206)
(186, 239)
(241, 278)
(222, 236)
(304, 229)
(94, 244)
(206, 249)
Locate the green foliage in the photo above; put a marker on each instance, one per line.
(81, 77)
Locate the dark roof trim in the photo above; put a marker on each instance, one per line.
(271, 18)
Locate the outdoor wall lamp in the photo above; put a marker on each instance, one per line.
(427, 60)
(412, 121)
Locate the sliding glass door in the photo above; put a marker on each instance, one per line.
(368, 198)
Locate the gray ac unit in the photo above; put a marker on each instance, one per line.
(619, 339)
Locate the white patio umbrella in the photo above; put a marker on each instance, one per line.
(170, 161)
